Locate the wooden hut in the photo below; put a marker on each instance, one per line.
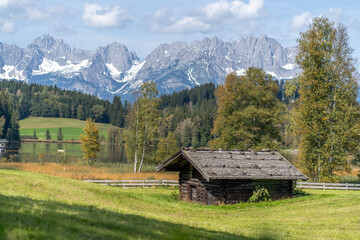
(213, 177)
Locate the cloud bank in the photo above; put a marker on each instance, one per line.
(105, 17)
(211, 17)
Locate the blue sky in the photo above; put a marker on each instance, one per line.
(143, 25)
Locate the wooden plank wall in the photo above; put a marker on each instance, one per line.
(227, 191)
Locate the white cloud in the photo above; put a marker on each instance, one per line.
(97, 16)
(7, 27)
(14, 4)
(301, 20)
(224, 10)
(188, 24)
(36, 14)
(211, 17)
(335, 14)
(4, 3)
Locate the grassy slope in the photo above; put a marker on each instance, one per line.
(71, 128)
(35, 206)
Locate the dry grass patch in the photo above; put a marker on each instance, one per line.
(83, 172)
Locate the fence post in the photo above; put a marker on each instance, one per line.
(346, 186)
(324, 186)
(143, 183)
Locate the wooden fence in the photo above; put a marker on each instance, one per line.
(136, 183)
(328, 186)
(164, 182)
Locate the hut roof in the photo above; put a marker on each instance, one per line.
(235, 165)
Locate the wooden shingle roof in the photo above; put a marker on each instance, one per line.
(235, 165)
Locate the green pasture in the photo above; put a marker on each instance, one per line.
(69, 133)
(36, 206)
(71, 128)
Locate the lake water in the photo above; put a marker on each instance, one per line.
(31, 151)
(291, 156)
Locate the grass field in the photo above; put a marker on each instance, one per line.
(35, 206)
(71, 128)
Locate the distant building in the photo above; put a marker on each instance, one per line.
(215, 177)
(3, 144)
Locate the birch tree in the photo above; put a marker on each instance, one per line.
(328, 114)
(142, 123)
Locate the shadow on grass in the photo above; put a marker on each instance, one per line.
(26, 218)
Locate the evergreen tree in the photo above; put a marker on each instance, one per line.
(90, 141)
(327, 112)
(2, 124)
(249, 112)
(34, 134)
(187, 136)
(81, 113)
(60, 136)
(48, 136)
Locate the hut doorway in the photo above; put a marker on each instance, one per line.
(193, 193)
(209, 197)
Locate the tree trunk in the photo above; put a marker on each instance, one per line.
(135, 163)
(142, 159)
(144, 147)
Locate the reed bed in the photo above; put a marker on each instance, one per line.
(85, 172)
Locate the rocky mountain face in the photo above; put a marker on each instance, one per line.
(114, 70)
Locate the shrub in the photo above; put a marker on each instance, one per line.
(27, 137)
(349, 179)
(175, 195)
(298, 192)
(261, 194)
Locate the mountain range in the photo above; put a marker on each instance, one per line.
(115, 70)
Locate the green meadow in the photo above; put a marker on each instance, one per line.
(36, 206)
(71, 128)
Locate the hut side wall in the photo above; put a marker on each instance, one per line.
(193, 187)
(241, 190)
(226, 191)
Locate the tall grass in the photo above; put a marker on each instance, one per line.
(102, 171)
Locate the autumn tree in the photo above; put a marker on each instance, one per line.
(166, 147)
(142, 124)
(90, 141)
(249, 112)
(328, 114)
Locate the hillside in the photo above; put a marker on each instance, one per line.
(36, 206)
(71, 128)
